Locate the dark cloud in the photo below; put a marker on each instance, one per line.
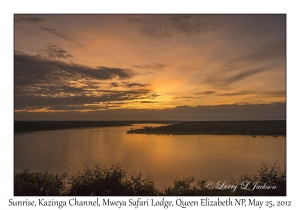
(152, 95)
(109, 73)
(278, 93)
(236, 93)
(273, 111)
(91, 85)
(31, 70)
(127, 84)
(36, 20)
(53, 84)
(242, 67)
(160, 26)
(61, 35)
(153, 66)
(53, 51)
(70, 108)
(49, 90)
(149, 102)
(193, 24)
(275, 52)
(35, 102)
(208, 92)
(184, 97)
(222, 80)
(114, 84)
(134, 20)
(28, 18)
(157, 28)
(243, 75)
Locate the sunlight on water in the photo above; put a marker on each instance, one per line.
(165, 157)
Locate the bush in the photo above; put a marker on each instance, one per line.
(110, 182)
(115, 181)
(39, 184)
(269, 176)
(266, 176)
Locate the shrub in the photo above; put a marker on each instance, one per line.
(115, 181)
(39, 184)
(110, 182)
(267, 175)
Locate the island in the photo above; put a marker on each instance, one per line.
(259, 127)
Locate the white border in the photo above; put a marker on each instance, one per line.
(8, 8)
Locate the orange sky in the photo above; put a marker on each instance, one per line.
(99, 62)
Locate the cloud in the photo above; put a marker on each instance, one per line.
(61, 35)
(278, 93)
(208, 92)
(36, 20)
(84, 101)
(205, 92)
(236, 93)
(114, 84)
(54, 84)
(165, 26)
(193, 24)
(40, 76)
(53, 51)
(248, 65)
(89, 107)
(134, 20)
(148, 102)
(222, 80)
(153, 66)
(243, 75)
(28, 18)
(275, 52)
(242, 67)
(127, 84)
(30, 70)
(273, 111)
(179, 97)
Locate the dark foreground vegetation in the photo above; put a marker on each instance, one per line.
(28, 126)
(265, 127)
(115, 181)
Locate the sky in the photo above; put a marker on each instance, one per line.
(124, 67)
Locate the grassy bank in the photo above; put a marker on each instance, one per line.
(265, 127)
(115, 181)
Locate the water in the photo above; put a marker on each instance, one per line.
(166, 158)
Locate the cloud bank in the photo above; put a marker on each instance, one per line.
(276, 111)
(42, 83)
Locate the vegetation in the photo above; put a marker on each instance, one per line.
(115, 181)
(110, 182)
(39, 184)
(246, 185)
(28, 126)
(266, 127)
